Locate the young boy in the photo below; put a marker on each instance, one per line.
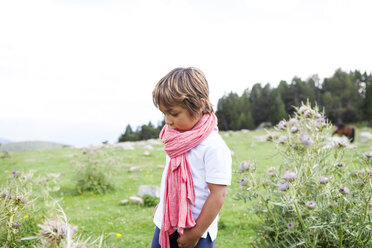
(198, 163)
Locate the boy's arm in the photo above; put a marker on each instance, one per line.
(211, 207)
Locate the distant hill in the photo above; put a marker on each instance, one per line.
(30, 146)
(4, 141)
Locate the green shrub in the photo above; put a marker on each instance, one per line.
(94, 172)
(149, 201)
(314, 198)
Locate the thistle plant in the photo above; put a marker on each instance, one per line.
(57, 232)
(94, 172)
(315, 197)
(16, 205)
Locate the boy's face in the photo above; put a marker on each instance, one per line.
(179, 118)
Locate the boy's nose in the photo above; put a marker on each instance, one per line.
(168, 121)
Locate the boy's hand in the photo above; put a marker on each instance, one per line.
(189, 239)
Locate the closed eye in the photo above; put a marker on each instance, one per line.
(174, 115)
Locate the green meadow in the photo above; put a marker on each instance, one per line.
(95, 214)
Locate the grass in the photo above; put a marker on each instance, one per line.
(94, 214)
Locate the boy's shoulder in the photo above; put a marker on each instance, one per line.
(213, 140)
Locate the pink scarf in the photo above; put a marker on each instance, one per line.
(179, 186)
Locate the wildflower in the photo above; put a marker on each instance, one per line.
(363, 172)
(244, 166)
(271, 171)
(282, 139)
(289, 175)
(308, 113)
(14, 173)
(26, 217)
(310, 204)
(15, 224)
(340, 164)
(292, 121)
(291, 225)
(282, 124)
(5, 193)
(323, 179)
(294, 129)
(243, 182)
(307, 140)
(54, 230)
(284, 186)
(269, 137)
(368, 154)
(344, 190)
(341, 143)
(18, 199)
(118, 235)
(302, 109)
(359, 182)
(320, 122)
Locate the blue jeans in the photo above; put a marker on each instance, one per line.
(203, 243)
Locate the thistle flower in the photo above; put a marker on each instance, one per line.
(323, 179)
(282, 124)
(344, 190)
(291, 225)
(289, 175)
(320, 122)
(307, 140)
(292, 121)
(244, 165)
(341, 144)
(284, 186)
(271, 171)
(302, 109)
(55, 230)
(310, 204)
(243, 181)
(14, 173)
(269, 137)
(15, 224)
(18, 199)
(309, 113)
(294, 129)
(340, 164)
(368, 154)
(5, 194)
(282, 139)
(359, 182)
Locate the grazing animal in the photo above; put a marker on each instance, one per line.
(348, 131)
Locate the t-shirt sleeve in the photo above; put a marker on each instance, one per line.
(217, 159)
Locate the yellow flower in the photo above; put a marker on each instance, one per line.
(26, 216)
(118, 235)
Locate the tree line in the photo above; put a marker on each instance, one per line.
(345, 97)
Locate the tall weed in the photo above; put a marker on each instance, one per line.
(314, 198)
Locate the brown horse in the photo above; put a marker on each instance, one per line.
(348, 131)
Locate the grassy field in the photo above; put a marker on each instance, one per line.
(94, 213)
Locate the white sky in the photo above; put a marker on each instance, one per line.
(78, 71)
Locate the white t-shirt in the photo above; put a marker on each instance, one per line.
(210, 162)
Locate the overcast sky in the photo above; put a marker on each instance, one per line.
(78, 71)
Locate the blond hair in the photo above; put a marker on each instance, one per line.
(187, 87)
